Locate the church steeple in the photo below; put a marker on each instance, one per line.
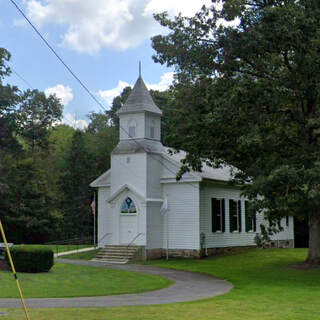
(139, 100)
(140, 122)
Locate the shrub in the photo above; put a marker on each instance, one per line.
(31, 259)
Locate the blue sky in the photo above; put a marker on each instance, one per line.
(101, 40)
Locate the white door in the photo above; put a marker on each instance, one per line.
(128, 228)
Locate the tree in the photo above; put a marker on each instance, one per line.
(74, 183)
(116, 105)
(163, 99)
(35, 115)
(248, 95)
(26, 202)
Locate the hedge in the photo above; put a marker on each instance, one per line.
(30, 259)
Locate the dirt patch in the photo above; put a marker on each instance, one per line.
(303, 266)
(4, 266)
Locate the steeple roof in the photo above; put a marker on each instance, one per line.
(139, 100)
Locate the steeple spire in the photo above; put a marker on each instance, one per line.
(139, 99)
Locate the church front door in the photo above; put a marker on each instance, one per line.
(128, 228)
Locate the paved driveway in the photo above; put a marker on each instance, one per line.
(188, 286)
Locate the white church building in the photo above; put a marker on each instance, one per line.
(141, 204)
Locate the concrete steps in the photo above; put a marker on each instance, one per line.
(116, 254)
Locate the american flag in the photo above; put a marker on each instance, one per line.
(93, 206)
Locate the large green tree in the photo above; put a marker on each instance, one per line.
(248, 94)
(74, 184)
(26, 201)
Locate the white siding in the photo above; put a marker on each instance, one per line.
(227, 239)
(154, 121)
(139, 119)
(287, 233)
(183, 216)
(154, 226)
(104, 218)
(154, 166)
(129, 169)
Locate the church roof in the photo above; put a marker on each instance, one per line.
(223, 174)
(139, 100)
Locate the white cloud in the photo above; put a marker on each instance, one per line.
(120, 24)
(164, 83)
(71, 120)
(64, 93)
(187, 8)
(108, 95)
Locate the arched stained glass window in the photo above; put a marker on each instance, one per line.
(128, 206)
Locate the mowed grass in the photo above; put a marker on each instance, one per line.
(65, 280)
(60, 248)
(88, 255)
(266, 288)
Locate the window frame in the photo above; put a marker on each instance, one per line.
(235, 218)
(252, 218)
(128, 213)
(215, 228)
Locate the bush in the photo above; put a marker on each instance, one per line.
(31, 259)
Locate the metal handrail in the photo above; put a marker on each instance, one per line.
(107, 234)
(139, 234)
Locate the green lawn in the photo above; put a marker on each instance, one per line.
(76, 281)
(88, 255)
(266, 288)
(61, 248)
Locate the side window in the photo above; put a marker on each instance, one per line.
(251, 218)
(235, 215)
(152, 126)
(132, 128)
(128, 206)
(152, 132)
(132, 132)
(218, 214)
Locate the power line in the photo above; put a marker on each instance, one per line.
(20, 77)
(57, 55)
(85, 88)
(29, 85)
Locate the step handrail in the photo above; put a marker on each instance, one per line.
(105, 235)
(138, 235)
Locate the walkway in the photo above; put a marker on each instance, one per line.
(65, 253)
(189, 286)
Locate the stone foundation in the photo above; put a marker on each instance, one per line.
(152, 254)
(224, 250)
(282, 243)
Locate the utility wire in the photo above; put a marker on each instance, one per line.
(87, 90)
(29, 85)
(20, 77)
(57, 55)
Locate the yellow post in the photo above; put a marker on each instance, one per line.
(14, 271)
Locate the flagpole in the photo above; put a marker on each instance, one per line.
(94, 219)
(167, 253)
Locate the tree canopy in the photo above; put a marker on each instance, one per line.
(247, 94)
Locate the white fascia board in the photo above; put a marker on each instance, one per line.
(122, 189)
(182, 180)
(101, 181)
(154, 200)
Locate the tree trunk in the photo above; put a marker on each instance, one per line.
(314, 239)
